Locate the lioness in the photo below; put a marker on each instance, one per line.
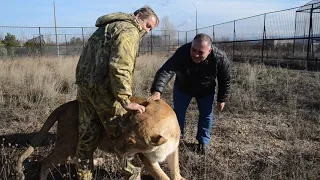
(153, 134)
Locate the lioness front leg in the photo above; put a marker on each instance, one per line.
(154, 168)
(173, 162)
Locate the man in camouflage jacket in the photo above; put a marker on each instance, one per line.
(104, 77)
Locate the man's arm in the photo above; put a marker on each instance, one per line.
(166, 72)
(223, 77)
(121, 65)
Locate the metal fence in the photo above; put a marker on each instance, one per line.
(70, 40)
(291, 35)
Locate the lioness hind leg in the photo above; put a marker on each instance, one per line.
(173, 162)
(154, 168)
(51, 162)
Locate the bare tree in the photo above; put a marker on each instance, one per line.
(168, 30)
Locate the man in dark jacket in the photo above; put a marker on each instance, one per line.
(197, 65)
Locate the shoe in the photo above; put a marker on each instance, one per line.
(203, 148)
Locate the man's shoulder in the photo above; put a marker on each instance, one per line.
(220, 56)
(184, 48)
(218, 53)
(125, 27)
(126, 24)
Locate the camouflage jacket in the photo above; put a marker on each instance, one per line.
(108, 59)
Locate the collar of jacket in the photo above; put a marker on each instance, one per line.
(119, 16)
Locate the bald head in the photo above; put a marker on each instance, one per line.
(200, 48)
(203, 38)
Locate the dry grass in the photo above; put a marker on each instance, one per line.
(270, 128)
(30, 88)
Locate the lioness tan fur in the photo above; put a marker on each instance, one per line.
(154, 135)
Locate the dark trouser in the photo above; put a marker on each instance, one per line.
(181, 102)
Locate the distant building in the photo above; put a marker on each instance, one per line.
(37, 40)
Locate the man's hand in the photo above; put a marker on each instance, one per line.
(155, 96)
(135, 107)
(220, 106)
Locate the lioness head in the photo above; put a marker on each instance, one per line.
(147, 131)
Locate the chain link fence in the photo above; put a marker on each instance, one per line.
(47, 41)
(287, 36)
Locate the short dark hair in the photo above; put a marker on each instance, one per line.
(203, 37)
(146, 12)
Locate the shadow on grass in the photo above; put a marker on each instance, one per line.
(187, 146)
(23, 140)
(68, 171)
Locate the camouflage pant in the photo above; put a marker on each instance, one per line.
(93, 119)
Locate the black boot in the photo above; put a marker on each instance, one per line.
(203, 148)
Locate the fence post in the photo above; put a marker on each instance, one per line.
(169, 45)
(186, 37)
(213, 36)
(309, 36)
(65, 38)
(234, 38)
(263, 36)
(178, 38)
(40, 41)
(82, 37)
(294, 36)
(57, 45)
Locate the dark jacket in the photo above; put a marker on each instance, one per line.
(197, 80)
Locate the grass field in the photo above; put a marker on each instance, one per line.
(270, 128)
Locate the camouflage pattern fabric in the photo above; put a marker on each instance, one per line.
(89, 131)
(90, 127)
(107, 62)
(104, 77)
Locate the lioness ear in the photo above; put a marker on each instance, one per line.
(157, 140)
